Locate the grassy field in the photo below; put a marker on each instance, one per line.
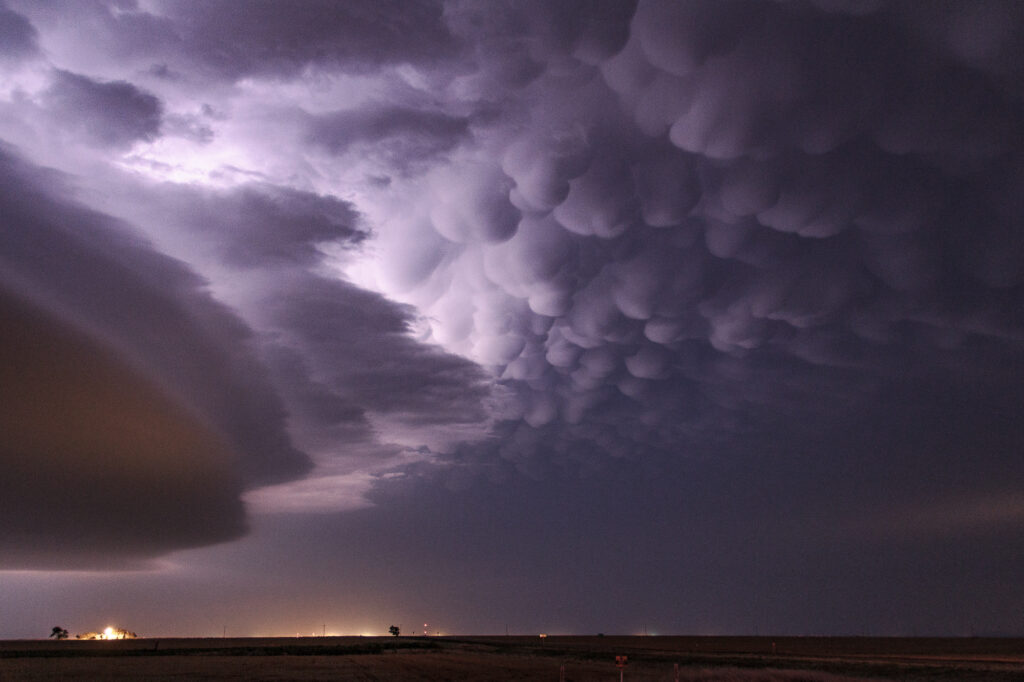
(584, 659)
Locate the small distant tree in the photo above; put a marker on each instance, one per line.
(394, 630)
(58, 632)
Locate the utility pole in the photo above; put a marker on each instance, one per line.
(324, 631)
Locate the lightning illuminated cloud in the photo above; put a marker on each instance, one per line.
(551, 235)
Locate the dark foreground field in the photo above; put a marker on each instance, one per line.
(739, 659)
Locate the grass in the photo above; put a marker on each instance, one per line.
(711, 659)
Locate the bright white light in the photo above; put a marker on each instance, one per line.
(108, 633)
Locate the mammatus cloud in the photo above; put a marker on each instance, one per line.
(696, 214)
(663, 230)
(727, 212)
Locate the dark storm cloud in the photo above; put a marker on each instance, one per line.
(114, 114)
(513, 43)
(141, 321)
(342, 356)
(261, 225)
(747, 227)
(95, 32)
(750, 275)
(757, 537)
(785, 236)
(271, 39)
(359, 344)
(220, 41)
(190, 127)
(328, 419)
(17, 35)
(150, 306)
(99, 467)
(401, 135)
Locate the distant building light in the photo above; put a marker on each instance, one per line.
(108, 633)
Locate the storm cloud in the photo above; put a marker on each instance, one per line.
(100, 468)
(130, 394)
(768, 254)
(17, 35)
(107, 114)
(750, 194)
(268, 39)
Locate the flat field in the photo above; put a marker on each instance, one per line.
(576, 659)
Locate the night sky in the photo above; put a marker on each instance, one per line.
(699, 317)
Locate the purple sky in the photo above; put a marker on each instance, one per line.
(699, 316)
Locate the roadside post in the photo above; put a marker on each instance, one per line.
(620, 663)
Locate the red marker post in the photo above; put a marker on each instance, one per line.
(620, 663)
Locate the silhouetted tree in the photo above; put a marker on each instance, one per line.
(58, 632)
(394, 630)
